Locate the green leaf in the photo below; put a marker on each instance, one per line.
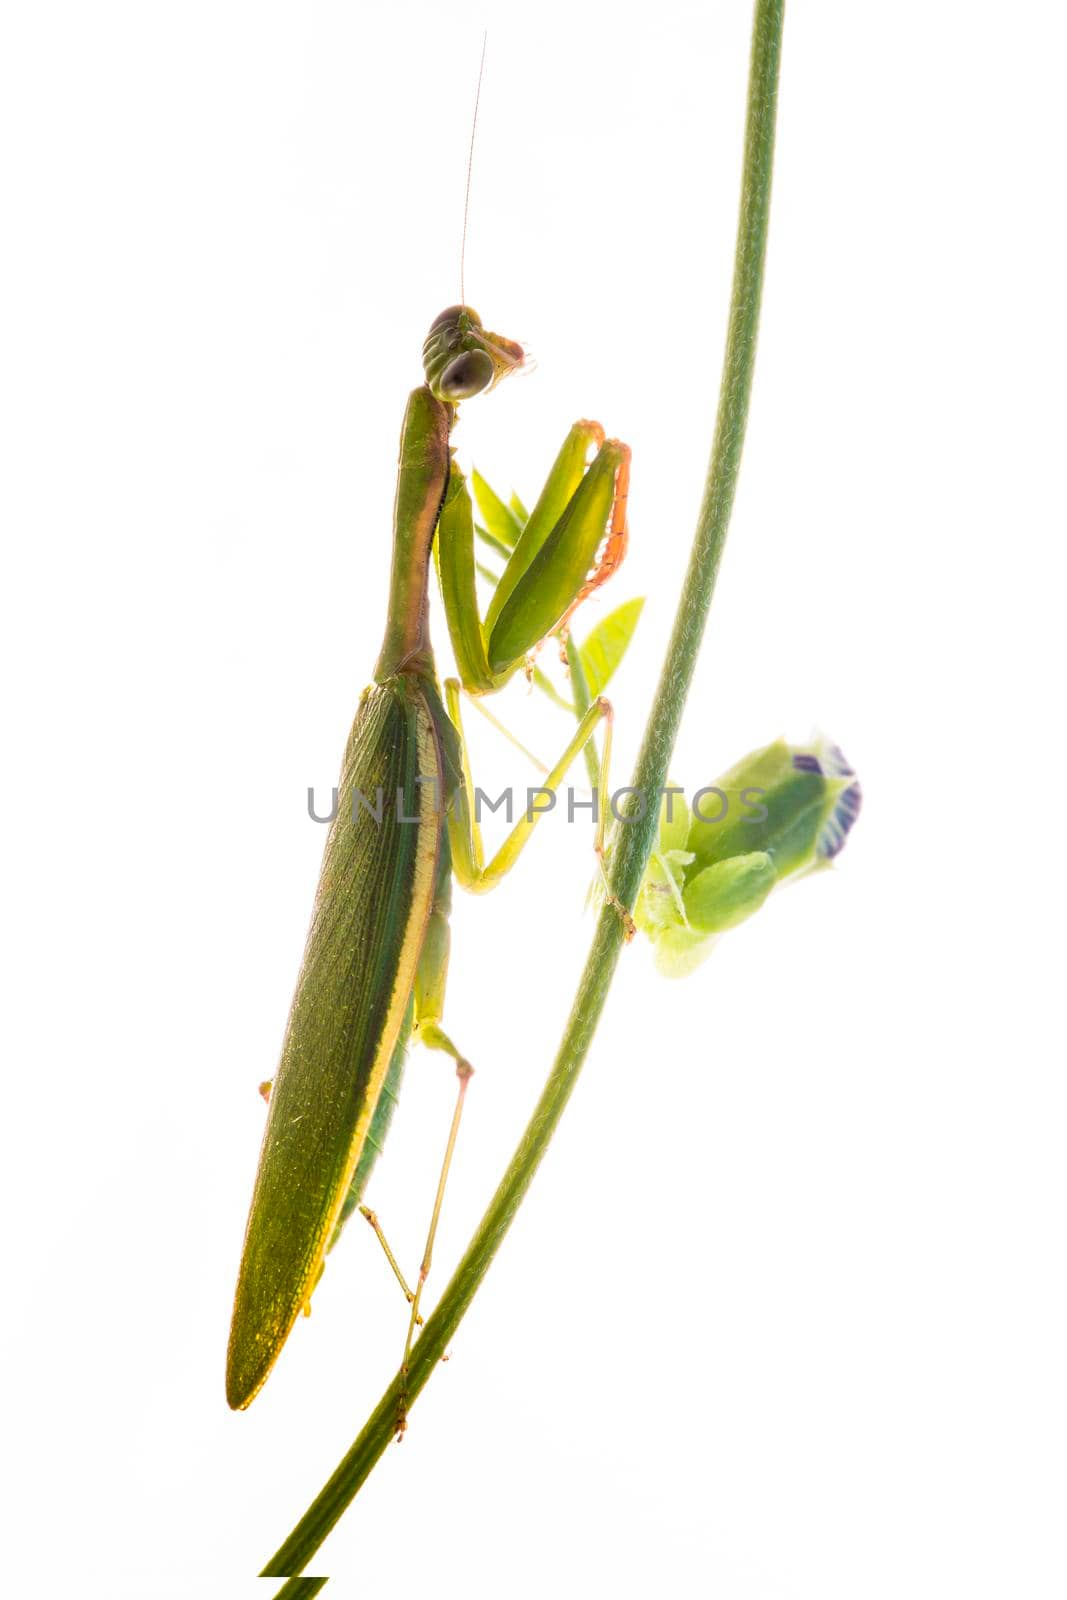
(608, 643)
(546, 686)
(500, 520)
(488, 539)
(519, 509)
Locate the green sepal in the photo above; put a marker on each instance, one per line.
(796, 801)
(680, 950)
(728, 892)
(659, 902)
(674, 820)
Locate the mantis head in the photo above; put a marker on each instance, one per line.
(461, 358)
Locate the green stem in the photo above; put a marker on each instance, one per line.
(634, 841)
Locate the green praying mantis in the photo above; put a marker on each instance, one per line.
(405, 822)
(376, 959)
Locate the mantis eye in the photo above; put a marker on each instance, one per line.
(467, 375)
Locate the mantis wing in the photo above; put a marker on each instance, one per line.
(351, 1002)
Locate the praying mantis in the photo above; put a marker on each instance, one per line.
(376, 960)
(389, 901)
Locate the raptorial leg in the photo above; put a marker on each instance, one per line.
(540, 589)
(613, 551)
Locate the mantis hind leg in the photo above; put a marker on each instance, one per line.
(430, 982)
(431, 977)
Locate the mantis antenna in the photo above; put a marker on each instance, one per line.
(470, 165)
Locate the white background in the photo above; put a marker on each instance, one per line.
(784, 1314)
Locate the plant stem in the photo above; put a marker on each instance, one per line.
(301, 1588)
(634, 841)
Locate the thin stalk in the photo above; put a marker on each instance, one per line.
(634, 841)
(580, 691)
(301, 1588)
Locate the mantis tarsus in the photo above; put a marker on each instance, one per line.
(376, 959)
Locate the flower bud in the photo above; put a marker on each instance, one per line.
(783, 810)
